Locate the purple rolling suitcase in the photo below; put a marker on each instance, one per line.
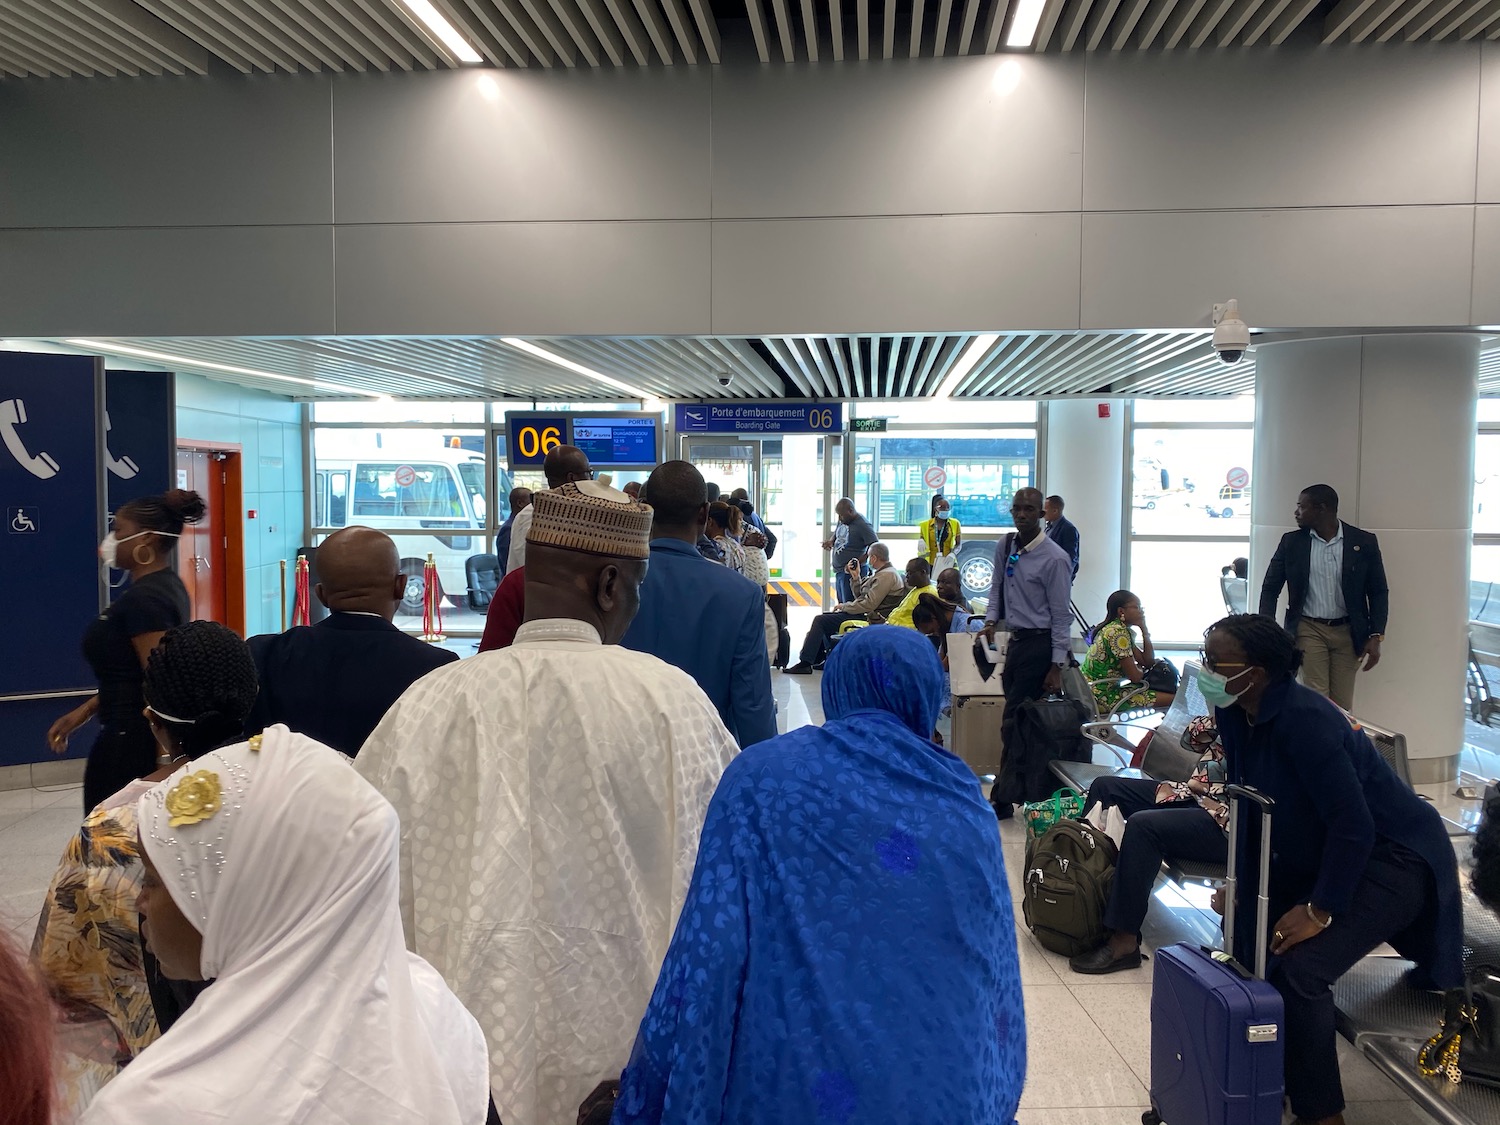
(1216, 1039)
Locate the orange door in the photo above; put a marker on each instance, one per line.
(202, 558)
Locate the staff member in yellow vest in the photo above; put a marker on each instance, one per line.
(940, 535)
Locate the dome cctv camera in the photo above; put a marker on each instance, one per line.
(725, 378)
(1231, 334)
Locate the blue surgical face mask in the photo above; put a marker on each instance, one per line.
(1215, 688)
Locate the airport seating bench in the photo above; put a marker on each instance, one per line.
(1387, 1021)
(1169, 758)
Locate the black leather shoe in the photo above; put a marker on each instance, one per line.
(798, 670)
(1101, 961)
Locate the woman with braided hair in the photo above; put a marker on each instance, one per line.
(1358, 859)
(118, 641)
(198, 684)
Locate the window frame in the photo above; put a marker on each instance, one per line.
(1129, 537)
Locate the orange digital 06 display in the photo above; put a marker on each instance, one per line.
(530, 437)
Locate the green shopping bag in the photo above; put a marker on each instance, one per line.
(1039, 816)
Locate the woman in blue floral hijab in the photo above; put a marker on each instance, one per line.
(847, 951)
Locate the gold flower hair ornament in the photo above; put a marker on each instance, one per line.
(194, 799)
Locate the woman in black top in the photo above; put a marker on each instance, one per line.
(118, 641)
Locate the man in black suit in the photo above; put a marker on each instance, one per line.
(520, 499)
(334, 681)
(1062, 530)
(1337, 597)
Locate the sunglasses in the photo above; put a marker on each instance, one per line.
(1010, 565)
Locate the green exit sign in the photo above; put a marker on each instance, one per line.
(867, 425)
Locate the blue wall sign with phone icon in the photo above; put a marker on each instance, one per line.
(49, 464)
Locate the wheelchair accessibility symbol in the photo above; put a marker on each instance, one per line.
(23, 521)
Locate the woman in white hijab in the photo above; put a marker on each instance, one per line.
(272, 870)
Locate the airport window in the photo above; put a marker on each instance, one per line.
(419, 471)
(1188, 470)
(981, 467)
(421, 480)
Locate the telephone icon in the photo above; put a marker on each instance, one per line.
(123, 467)
(12, 416)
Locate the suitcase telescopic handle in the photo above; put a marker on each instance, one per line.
(1237, 795)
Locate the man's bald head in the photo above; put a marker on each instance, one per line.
(679, 501)
(564, 463)
(359, 571)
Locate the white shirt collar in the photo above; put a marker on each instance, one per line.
(1037, 542)
(557, 629)
(1338, 536)
(356, 612)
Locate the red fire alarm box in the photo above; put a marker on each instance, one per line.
(1104, 410)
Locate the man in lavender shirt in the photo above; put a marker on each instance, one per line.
(1030, 592)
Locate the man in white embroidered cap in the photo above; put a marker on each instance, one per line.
(551, 795)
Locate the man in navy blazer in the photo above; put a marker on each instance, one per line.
(1337, 596)
(334, 681)
(1061, 530)
(699, 615)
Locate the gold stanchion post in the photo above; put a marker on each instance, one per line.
(283, 595)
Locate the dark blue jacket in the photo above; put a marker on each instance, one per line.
(1367, 596)
(502, 541)
(1334, 795)
(334, 681)
(1065, 534)
(710, 622)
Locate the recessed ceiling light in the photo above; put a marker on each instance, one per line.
(563, 361)
(966, 363)
(1023, 26)
(438, 24)
(226, 368)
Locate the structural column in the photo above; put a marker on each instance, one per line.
(1389, 422)
(1086, 467)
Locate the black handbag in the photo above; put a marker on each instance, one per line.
(1162, 677)
(1467, 1046)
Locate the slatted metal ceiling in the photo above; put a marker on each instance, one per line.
(111, 37)
(868, 367)
(850, 367)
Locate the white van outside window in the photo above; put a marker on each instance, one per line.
(441, 491)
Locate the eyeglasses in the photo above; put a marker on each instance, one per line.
(1213, 665)
(1010, 565)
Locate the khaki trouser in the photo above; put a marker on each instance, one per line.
(1328, 660)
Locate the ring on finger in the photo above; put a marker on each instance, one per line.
(1279, 937)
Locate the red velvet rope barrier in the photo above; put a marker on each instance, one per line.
(432, 602)
(302, 604)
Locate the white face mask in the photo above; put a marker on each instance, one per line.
(110, 545)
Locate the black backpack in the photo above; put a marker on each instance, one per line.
(1068, 877)
(1046, 729)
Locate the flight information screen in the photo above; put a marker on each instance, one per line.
(624, 442)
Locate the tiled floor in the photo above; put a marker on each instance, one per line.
(34, 826)
(1088, 1036)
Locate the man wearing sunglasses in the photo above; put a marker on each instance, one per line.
(1030, 592)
